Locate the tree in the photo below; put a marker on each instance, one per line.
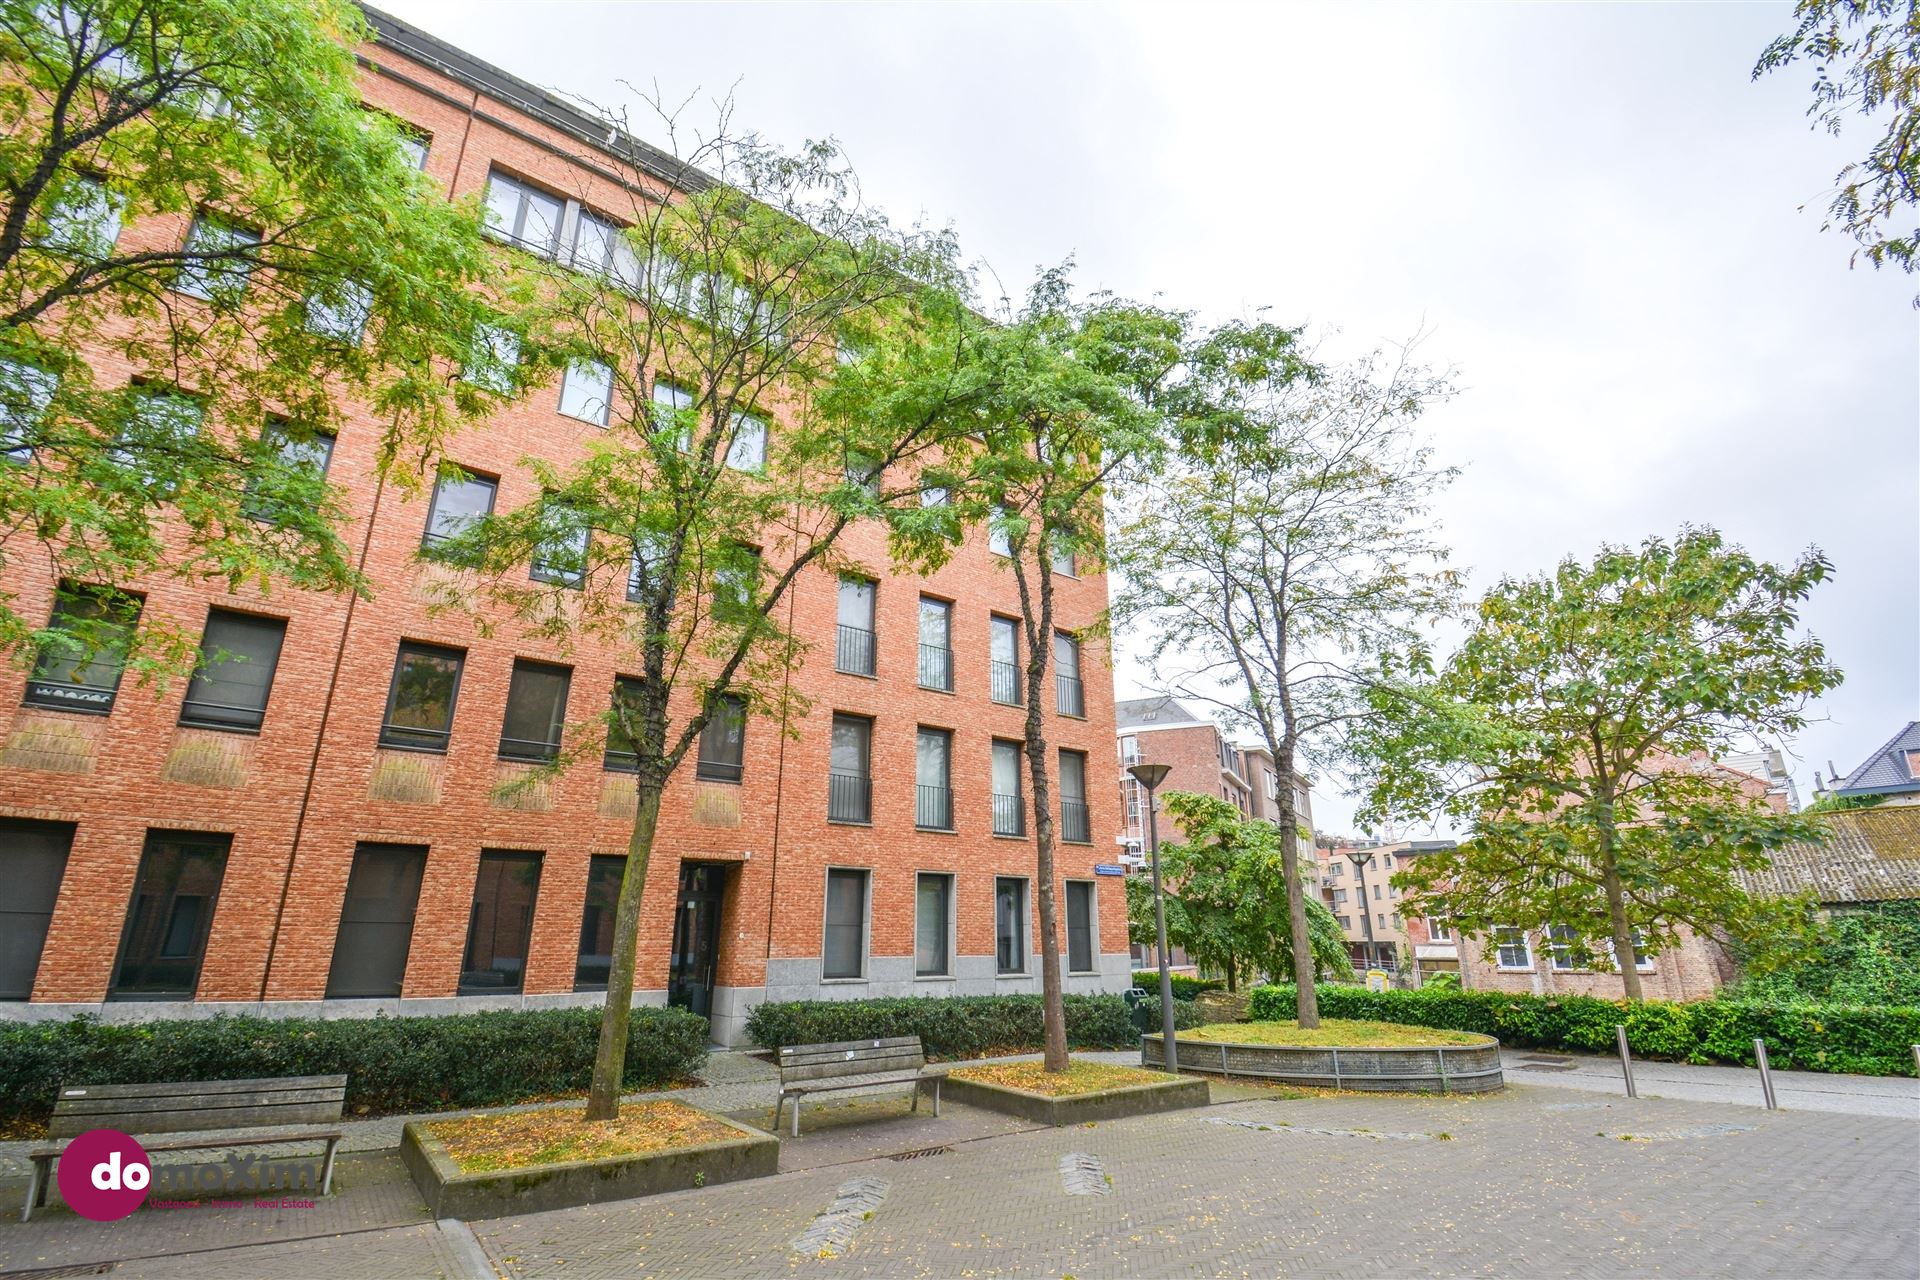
(192, 189)
(778, 365)
(1226, 895)
(1285, 551)
(1866, 56)
(1573, 734)
(1070, 404)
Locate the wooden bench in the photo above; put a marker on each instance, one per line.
(195, 1105)
(853, 1064)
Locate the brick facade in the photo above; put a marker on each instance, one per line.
(297, 798)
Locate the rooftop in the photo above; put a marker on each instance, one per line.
(1871, 855)
(1885, 772)
(1160, 712)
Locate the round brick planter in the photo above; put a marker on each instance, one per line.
(1465, 1068)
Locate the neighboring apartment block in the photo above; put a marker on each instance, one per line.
(329, 826)
(1356, 884)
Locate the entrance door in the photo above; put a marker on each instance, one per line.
(696, 937)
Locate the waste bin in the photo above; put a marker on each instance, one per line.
(1136, 998)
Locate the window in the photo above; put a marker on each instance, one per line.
(671, 406)
(1339, 897)
(621, 757)
(1642, 961)
(458, 501)
(219, 258)
(601, 246)
(862, 476)
(33, 861)
(1009, 809)
(1439, 930)
(238, 654)
(1273, 784)
(844, 948)
(853, 651)
(647, 571)
(586, 391)
(1003, 660)
(604, 874)
(426, 682)
(936, 644)
(536, 711)
(1075, 827)
(1070, 697)
(414, 147)
(376, 922)
(1913, 764)
(1381, 917)
(736, 576)
(500, 923)
(1063, 561)
(341, 313)
(290, 462)
(168, 918)
(1010, 924)
(25, 393)
(1376, 892)
(723, 743)
(159, 423)
(78, 667)
(999, 540)
(933, 926)
(849, 779)
(561, 557)
(1337, 870)
(1129, 749)
(1226, 756)
(935, 495)
(748, 452)
(1386, 860)
(1563, 948)
(492, 359)
(932, 776)
(523, 214)
(1345, 922)
(85, 221)
(1079, 926)
(1514, 952)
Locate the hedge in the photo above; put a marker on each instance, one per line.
(392, 1064)
(1868, 1040)
(1185, 986)
(957, 1026)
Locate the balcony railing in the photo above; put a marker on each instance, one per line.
(1074, 826)
(936, 667)
(1009, 815)
(1005, 682)
(933, 808)
(1068, 697)
(853, 651)
(849, 797)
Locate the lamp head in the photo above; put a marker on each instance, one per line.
(1360, 857)
(1150, 775)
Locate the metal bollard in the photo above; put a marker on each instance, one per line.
(1916, 1059)
(1766, 1076)
(1626, 1058)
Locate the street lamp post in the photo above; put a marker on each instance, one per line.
(1360, 859)
(1151, 776)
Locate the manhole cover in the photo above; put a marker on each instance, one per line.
(922, 1153)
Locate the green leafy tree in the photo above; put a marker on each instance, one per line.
(192, 189)
(1226, 897)
(1284, 552)
(1572, 734)
(1866, 60)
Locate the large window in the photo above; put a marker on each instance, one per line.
(289, 460)
(561, 556)
(853, 650)
(604, 872)
(78, 667)
(933, 926)
(218, 258)
(933, 780)
(25, 393)
(849, 770)
(1080, 949)
(341, 312)
(238, 655)
(458, 501)
(85, 222)
(601, 247)
(586, 392)
(936, 644)
(748, 452)
(536, 711)
(1010, 924)
(174, 895)
(376, 921)
(1515, 953)
(33, 859)
(523, 214)
(1074, 824)
(844, 953)
(723, 743)
(492, 359)
(1009, 808)
(426, 683)
(671, 406)
(1003, 659)
(160, 424)
(621, 757)
(500, 923)
(1070, 697)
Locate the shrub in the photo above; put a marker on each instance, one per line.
(957, 1026)
(1185, 986)
(1436, 981)
(1871, 1040)
(391, 1064)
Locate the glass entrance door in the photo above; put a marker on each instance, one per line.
(696, 938)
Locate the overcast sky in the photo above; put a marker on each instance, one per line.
(1591, 211)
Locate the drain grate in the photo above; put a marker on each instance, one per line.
(921, 1154)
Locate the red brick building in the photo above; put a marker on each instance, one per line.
(324, 829)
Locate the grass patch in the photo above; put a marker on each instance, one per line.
(1079, 1077)
(555, 1135)
(1341, 1032)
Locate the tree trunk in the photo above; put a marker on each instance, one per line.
(1053, 1006)
(1303, 974)
(610, 1062)
(1623, 952)
(1233, 974)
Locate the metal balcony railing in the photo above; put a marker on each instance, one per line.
(1009, 815)
(1005, 682)
(849, 797)
(1069, 698)
(936, 667)
(1074, 826)
(853, 651)
(933, 808)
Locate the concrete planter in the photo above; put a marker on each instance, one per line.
(449, 1193)
(1466, 1068)
(1173, 1094)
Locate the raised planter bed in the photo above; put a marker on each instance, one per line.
(1169, 1093)
(1469, 1068)
(452, 1193)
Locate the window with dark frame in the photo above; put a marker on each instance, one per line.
(1075, 828)
(936, 644)
(25, 393)
(500, 923)
(33, 861)
(1009, 925)
(207, 275)
(169, 916)
(1003, 660)
(844, 945)
(79, 668)
(420, 703)
(1009, 806)
(561, 557)
(239, 653)
(601, 247)
(586, 392)
(376, 922)
(492, 359)
(933, 925)
(1070, 696)
(604, 873)
(849, 770)
(522, 214)
(1080, 926)
(853, 651)
(458, 501)
(85, 222)
(285, 453)
(621, 757)
(341, 312)
(536, 711)
(933, 780)
(723, 743)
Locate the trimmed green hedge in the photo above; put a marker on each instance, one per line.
(1806, 1037)
(956, 1026)
(392, 1064)
(1185, 986)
